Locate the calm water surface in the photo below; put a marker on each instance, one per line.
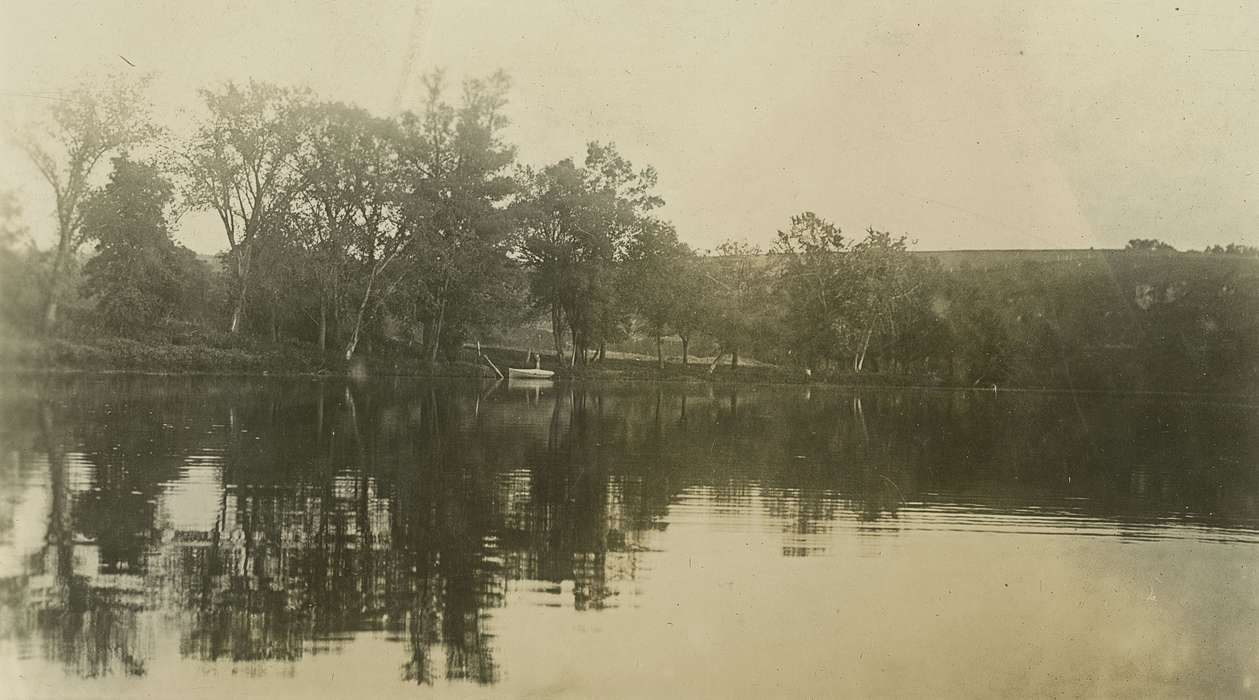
(210, 537)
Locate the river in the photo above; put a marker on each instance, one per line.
(231, 537)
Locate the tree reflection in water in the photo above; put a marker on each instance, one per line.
(269, 520)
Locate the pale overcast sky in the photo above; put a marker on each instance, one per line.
(963, 124)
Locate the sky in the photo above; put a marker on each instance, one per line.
(1073, 124)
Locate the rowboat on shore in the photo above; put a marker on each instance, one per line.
(518, 373)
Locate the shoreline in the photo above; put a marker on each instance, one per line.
(64, 356)
(611, 377)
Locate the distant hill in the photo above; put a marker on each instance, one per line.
(993, 259)
(970, 259)
(952, 260)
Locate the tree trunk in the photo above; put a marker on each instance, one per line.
(238, 310)
(860, 360)
(603, 347)
(65, 238)
(319, 417)
(686, 345)
(50, 311)
(242, 276)
(734, 359)
(557, 333)
(436, 331)
(659, 351)
(358, 319)
(323, 325)
(54, 287)
(716, 360)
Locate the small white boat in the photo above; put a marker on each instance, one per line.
(517, 373)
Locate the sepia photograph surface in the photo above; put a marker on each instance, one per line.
(629, 349)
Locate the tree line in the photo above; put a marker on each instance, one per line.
(353, 233)
(337, 224)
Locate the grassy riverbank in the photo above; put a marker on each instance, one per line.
(228, 355)
(246, 355)
(236, 356)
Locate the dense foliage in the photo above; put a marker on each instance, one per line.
(351, 235)
(139, 276)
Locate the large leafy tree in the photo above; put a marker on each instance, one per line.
(345, 216)
(844, 297)
(455, 186)
(660, 278)
(890, 287)
(623, 203)
(85, 126)
(693, 304)
(649, 273)
(139, 276)
(818, 286)
(552, 217)
(242, 164)
(323, 211)
(576, 223)
(738, 296)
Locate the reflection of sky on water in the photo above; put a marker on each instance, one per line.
(190, 502)
(626, 541)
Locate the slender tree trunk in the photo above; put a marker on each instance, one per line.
(603, 347)
(319, 417)
(436, 328)
(323, 325)
(242, 277)
(860, 360)
(734, 359)
(659, 351)
(557, 333)
(54, 283)
(439, 323)
(861, 418)
(238, 310)
(358, 319)
(712, 366)
(50, 310)
(65, 249)
(686, 345)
